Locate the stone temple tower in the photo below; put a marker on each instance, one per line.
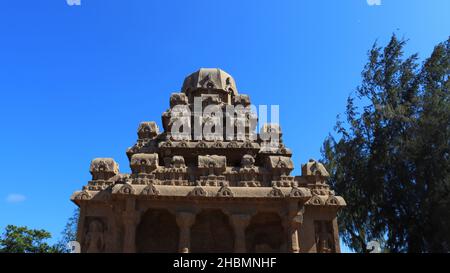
(216, 193)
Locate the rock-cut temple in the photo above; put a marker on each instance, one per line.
(207, 195)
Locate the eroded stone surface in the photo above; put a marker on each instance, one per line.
(184, 194)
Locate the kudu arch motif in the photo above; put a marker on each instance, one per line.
(208, 175)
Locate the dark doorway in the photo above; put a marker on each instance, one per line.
(212, 233)
(265, 234)
(157, 232)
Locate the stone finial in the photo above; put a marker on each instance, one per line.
(144, 163)
(314, 168)
(243, 100)
(210, 78)
(178, 99)
(148, 129)
(103, 168)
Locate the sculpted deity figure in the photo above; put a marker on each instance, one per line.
(94, 237)
(324, 238)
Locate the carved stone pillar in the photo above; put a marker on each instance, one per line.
(292, 226)
(184, 221)
(293, 231)
(336, 236)
(240, 223)
(130, 220)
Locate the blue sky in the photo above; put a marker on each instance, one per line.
(75, 81)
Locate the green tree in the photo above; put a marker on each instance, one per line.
(391, 157)
(69, 233)
(23, 240)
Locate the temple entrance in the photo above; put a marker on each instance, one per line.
(157, 232)
(212, 232)
(265, 234)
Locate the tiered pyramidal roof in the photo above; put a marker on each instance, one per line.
(220, 163)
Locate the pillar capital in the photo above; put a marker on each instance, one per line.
(185, 219)
(292, 224)
(240, 223)
(240, 220)
(130, 219)
(297, 219)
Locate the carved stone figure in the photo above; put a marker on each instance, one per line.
(212, 164)
(177, 162)
(324, 237)
(94, 240)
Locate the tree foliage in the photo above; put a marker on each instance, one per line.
(69, 233)
(390, 158)
(23, 240)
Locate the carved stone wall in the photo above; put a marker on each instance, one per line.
(219, 192)
(324, 237)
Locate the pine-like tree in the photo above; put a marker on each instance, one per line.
(391, 158)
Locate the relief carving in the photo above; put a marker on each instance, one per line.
(126, 189)
(275, 192)
(198, 191)
(212, 164)
(144, 163)
(206, 173)
(103, 168)
(94, 238)
(148, 130)
(150, 190)
(225, 191)
(324, 237)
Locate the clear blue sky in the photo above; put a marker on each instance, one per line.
(75, 81)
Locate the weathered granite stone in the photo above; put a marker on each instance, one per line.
(221, 193)
(144, 163)
(148, 130)
(209, 78)
(103, 168)
(314, 168)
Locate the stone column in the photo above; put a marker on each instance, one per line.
(292, 226)
(130, 220)
(293, 230)
(240, 223)
(337, 245)
(184, 221)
